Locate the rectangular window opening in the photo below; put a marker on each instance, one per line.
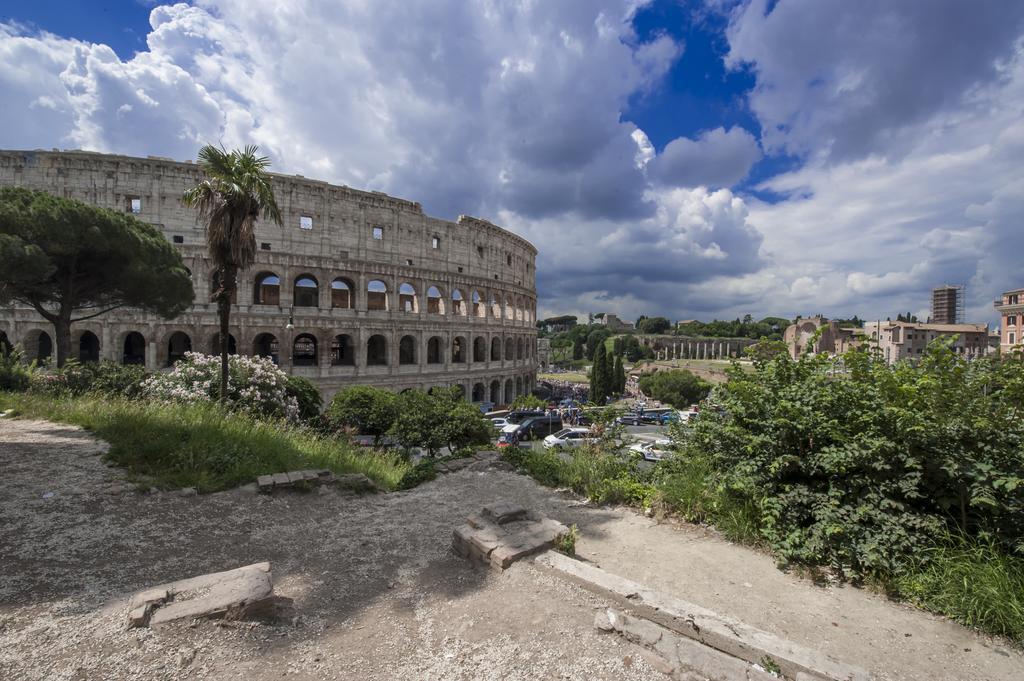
(134, 204)
(378, 233)
(435, 243)
(508, 259)
(264, 246)
(480, 251)
(460, 270)
(178, 239)
(305, 222)
(408, 262)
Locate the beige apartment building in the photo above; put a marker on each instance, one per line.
(1011, 308)
(908, 340)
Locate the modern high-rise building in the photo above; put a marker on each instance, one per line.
(948, 305)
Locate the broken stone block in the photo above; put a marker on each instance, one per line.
(231, 594)
(281, 479)
(265, 483)
(504, 511)
(504, 533)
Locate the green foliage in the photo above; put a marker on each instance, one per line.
(15, 374)
(199, 445)
(679, 388)
(861, 466)
(619, 376)
(633, 351)
(596, 339)
(600, 380)
(70, 260)
(594, 472)
(973, 582)
(438, 419)
(566, 543)
(306, 395)
(422, 472)
(528, 402)
(103, 378)
(369, 410)
(654, 325)
(769, 327)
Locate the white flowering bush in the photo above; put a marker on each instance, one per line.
(255, 384)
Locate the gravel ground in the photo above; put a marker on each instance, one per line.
(377, 593)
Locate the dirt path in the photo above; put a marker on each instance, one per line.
(378, 595)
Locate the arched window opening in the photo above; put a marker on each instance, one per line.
(6, 347)
(495, 349)
(496, 392)
(341, 294)
(495, 307)
(435, 303)
(267, 290)
(510, 350)
(215, 345)
(479, 392)
(478, 308)
(509, 309)
(134, 349)
(377, 350)
(38, 346)
(306, 292)
(177, 345)
(519, 386)
(434, 351)
(407, 350)
(267, 345)
(479, 349)
(376, 295)
(519, 348)
(88, 347)
(342, 351)
(407, 298)
(304, 350)
(510, 387)
(458, 304)
(458, 351)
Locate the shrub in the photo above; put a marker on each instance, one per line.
(306, 396)
(255, 385)
(105, 378)
(15, 375)
(422, 472)
(679, 388)
(438, 419)
(369, 410)
(528, 402)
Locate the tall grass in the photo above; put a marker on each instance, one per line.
(588, 471)
(172, 445)
(972, 582)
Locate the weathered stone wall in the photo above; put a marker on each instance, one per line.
(329, 235)
(687, 347)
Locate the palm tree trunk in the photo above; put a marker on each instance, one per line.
(224, 311)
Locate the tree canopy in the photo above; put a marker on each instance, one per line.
(72, 261)
(678, 388)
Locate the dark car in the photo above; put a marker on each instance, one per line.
(538, 427)
(520, 415)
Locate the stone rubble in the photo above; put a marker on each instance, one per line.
(355, 482)
(503, 533)
(482, 460)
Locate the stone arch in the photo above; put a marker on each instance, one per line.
(178, 343)
(88, 347)
(435, 301)
(133, 349)
(435, 353)
(519, 386)
(496, 391)
(494, 306)
(6, 346)
(407, 350)
(520, 312)
(38, 345)
(477, 304)
(510, 349)
(376, 295)
(377, 350)
(267, 345)
(519, 348)
(306, 291)
(479, 392)
(215, 344)
(458, 304)
(408, 298)
(458, 350)
(304, 350)
(479, 349)
(266, 289)
(342, 350)
(510, 308)
(342, 294)
(510, 389)
(495, 349)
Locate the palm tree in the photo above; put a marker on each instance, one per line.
(235, 193)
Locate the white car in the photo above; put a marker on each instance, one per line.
(569, 437)
(499, 423)
(653, 451)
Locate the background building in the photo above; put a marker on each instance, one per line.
(907, 340)
(1011, 310)
(947, 305)
(833, 338)
(613, 322)
(355, 288)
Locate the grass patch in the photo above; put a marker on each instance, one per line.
(587, 471)
(971, 582)
(172, 446)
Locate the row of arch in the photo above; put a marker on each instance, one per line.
(305, 350)
(267, 289)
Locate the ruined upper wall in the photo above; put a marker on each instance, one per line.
(342, 219)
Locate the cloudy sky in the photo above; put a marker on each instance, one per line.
(684, 158)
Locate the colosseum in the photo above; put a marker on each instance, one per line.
(356, 287)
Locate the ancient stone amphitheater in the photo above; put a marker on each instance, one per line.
(356, 287)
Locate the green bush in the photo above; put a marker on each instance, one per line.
(306, 395)
(441, 418)
(369, 410)
(422, 472)
(679, 388)
(105, 378)
(15, 374)
(600, 476)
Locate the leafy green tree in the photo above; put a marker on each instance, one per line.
(433, 421)
(679, 388)
(596, 338)
(306, 394)
(600, 386)
(235, 193)
(370, 410)
(654, 325)
(71, 261)
(528, 402)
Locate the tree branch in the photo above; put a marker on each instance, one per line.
(82, 319)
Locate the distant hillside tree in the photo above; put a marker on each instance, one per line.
(71, 261)
(654, 325)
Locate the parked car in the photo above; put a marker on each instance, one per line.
(653, 451)
(535, 427)
(520, 415)
(499, 423)
(637, 419)
(676, 416)
(569, 437)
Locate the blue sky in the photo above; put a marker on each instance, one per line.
(687, 158)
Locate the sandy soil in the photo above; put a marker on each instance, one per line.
(377, 593)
